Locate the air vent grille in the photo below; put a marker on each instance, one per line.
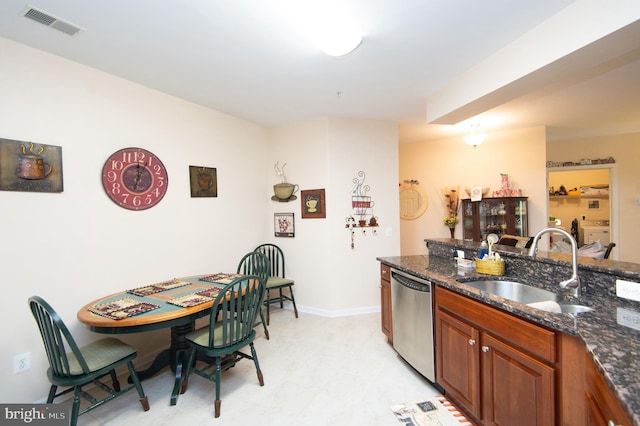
(51, 21)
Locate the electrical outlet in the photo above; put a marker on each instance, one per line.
(21, 362)
(628, 318)
(628, 290)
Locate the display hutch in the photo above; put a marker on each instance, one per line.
(501, 215)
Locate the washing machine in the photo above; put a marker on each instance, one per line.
(590, 231)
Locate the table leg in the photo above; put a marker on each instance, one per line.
(170, 357)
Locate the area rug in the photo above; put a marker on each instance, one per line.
(437, 411)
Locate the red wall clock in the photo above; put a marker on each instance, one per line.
(134, 178)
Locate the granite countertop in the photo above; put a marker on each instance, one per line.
(614, 348)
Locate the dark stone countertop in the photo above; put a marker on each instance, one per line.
(615, 348)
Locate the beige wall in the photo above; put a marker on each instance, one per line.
(329, 153)
(625, 150)
(451, 162)
(76, 246)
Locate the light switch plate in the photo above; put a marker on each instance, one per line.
(628, 289)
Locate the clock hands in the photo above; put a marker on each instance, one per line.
(137, 179)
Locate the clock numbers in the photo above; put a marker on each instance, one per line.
(134, 178)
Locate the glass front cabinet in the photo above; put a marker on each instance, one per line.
(504, 215)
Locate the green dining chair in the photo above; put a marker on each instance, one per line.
(277, 278)
(255, 263)
(82, 366)
(238, 304)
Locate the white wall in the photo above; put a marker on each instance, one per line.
(76, 246)
(328, 153)
(451, 162)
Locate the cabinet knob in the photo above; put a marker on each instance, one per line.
(485, 349)
(611, 423)
(384, 272)
(472, 342)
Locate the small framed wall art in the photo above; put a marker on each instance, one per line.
(203, 181)
(313, 204)
(283, 224)
(28, 166)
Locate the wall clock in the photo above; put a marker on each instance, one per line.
(134, 178)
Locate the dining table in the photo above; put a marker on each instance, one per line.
(175, 304)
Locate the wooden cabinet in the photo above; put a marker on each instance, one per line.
(385, 301)
(602, 407)
(505, 215)
(499, 369)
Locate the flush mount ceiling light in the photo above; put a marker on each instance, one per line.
(474, 138)
(326, 22)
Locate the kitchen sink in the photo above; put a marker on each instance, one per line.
(535, 297)
(513, 290)
(574, 309)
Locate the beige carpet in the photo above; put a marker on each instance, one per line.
(437, 411)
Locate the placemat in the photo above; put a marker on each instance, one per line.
(189, 300)
(122, 308)
(158, 287)
(211, 292)
(220, 278)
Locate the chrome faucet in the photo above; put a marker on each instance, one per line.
(574, 281)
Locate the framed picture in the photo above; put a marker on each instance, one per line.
(313, 205)
(593, 204)
(29, 166)
(203, 181)
(283, 224)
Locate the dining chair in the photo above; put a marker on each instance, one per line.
(607, 252)
(255, 263)
(277, 278)
(82, 366)
(238, 303)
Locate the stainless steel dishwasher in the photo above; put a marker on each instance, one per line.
(412, 319)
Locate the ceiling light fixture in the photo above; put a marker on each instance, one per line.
(327, 23)
(474, 138)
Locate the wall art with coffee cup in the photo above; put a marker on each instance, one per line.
(203, 181)
(284, 225)
(30, 166)
(313, 204)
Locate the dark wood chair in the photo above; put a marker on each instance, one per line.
(82, 365)
(277, 279)
(239, 303)
(607, 252)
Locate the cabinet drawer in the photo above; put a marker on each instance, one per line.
(535, 340)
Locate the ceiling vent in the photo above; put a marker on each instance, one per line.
(51, 21)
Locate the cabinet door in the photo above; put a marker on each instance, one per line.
(517, 389)
(603, 407)
(385, 302)
(457, 361)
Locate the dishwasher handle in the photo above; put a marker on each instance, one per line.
(414, 285)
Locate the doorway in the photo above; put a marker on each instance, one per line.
(594, 205)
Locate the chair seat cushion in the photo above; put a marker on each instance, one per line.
(100, 354)
(278, 282)
(201, 336)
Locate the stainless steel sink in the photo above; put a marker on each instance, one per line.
(515, 291)
(528, 295)
(574, 309)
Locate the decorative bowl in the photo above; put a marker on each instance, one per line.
(485, 191)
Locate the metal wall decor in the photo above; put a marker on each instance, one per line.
(362, 209)
(28, 166)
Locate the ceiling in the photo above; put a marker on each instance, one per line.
(244, 58)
